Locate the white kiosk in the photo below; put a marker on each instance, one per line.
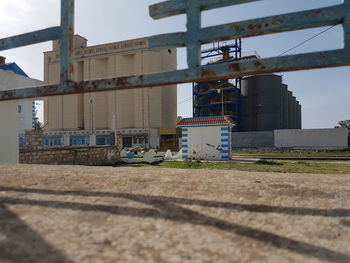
(206, 138)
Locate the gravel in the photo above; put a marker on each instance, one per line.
(146, 214)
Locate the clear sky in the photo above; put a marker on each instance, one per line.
(324, 94)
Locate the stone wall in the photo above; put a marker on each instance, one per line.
(89, 155)
(35, 153)
(34, 139)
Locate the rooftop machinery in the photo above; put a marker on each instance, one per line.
(219, 97)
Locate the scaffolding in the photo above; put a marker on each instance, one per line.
(220, 97)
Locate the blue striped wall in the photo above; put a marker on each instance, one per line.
(225, 137)
(225, 143)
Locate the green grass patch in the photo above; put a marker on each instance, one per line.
(295, 154)
(267, 162)
(265, 166)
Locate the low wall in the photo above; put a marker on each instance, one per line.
(261, 139)
(90, 155)
(318, 139)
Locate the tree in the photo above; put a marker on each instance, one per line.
(179, 118)
(344, 124)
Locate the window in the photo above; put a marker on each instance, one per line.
(22, 139)
(53, 140)
(103, 140)
(79, 140)
(19, 108)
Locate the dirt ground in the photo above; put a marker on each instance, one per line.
(146, 214)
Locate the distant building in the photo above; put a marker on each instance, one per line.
(256, 103)
(15, 77)
(138, 115)
(13, 123)
(12, 66)
(267, 104)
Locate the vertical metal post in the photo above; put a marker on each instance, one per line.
(67, 42)
(194, 22)
(346, 28)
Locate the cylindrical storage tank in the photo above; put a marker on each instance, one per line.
(295, 113)
(290, 110)
(284, 106)
(245, 117)
(263, 107)
(248, 96)
(299, 116)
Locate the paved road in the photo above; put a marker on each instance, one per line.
(106, 214)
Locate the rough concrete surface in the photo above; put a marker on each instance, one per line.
(107, 214)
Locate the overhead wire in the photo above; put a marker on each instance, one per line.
(307, 40)
(184, 101)
(287, 51)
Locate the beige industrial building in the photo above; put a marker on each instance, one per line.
(137, 114)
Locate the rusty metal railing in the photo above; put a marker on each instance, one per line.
(64, 33)
(193, 38)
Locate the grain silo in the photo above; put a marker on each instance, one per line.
(267, 104)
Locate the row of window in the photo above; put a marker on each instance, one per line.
(52, 140)
(80, 140)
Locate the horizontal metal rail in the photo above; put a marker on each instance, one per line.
(64, 33)
(178, 7)
(255, 27)
(35, 37)
(207, 73)
(193, 39)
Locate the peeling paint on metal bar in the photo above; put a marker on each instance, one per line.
(193, 38)
(31, 38)
(64, 33)
(67, 41)
(213, 72)
(275, 24)
(254, 27)
(177, 7)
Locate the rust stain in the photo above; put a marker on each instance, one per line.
(235, 67)
(208, 73)
(258, 64)
(122, 81)
(253, 27)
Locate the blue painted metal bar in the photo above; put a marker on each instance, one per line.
(168, 40)
(194, 21)
(177, 7)
(193, 39)
(213, 72)
(26, 39)
(346, 26)
(254, 27)
(67, 39)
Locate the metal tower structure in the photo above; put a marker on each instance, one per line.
(219, 97)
